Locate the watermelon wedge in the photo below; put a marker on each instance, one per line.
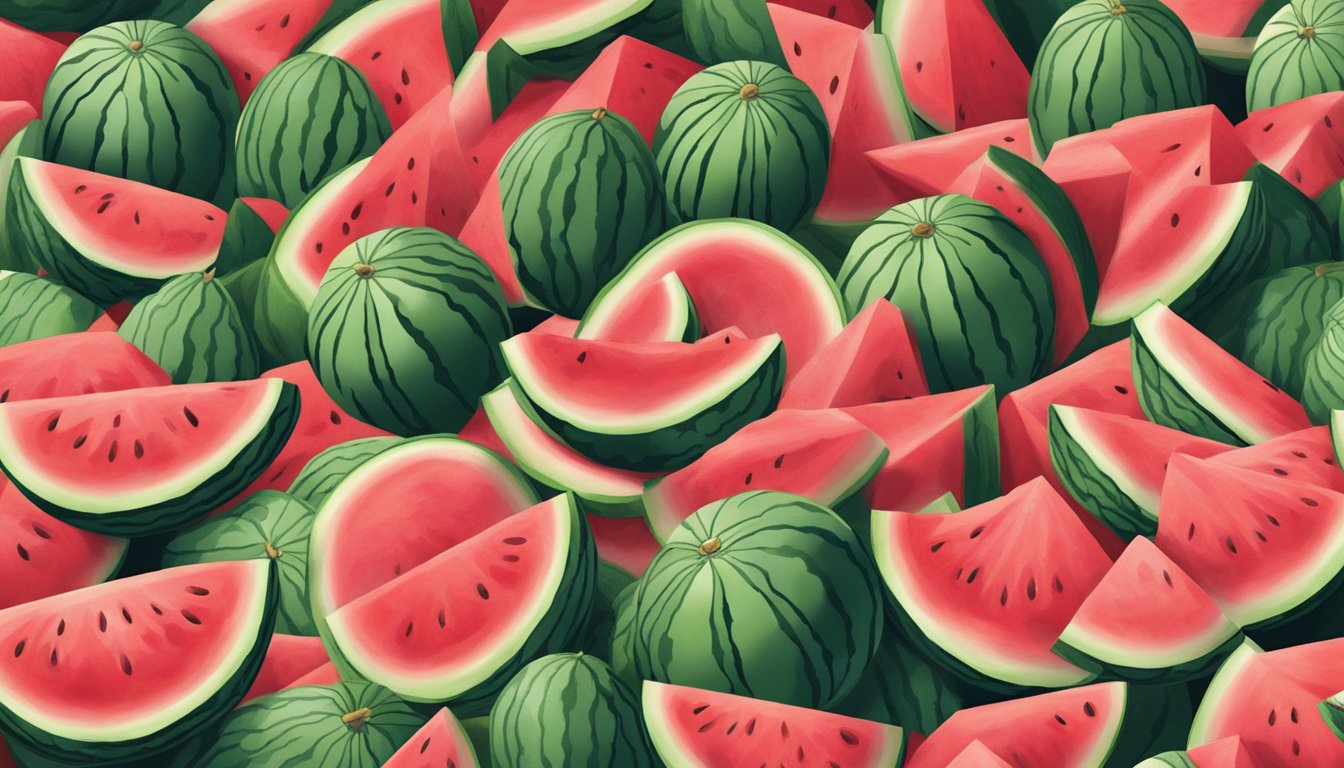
(739, 274)
(514, 591)
(825, 456)
(144, 461)
(323, 675)
(28, 61)
(483, 232)
(705, 729)
(820, 52)
(1114, 465)
(1306, 456)
(1096, 182)
(440, 742)
(167, 654)
(252, 37)
(1224, 526)
(977, 755)
(873, 360)
(1147, 621)
(401, 508)
(931, 166)
(1302, 140)
(48, 557)
(626, 544)
(855, 13)
(288, 658)
(1225, 32)
(1187, 382)
(989, 589)
(669, 315)
(75, 364)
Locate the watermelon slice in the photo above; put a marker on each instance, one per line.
(1077, 728)
(820, 52)
(288, 658)
(559, 325)
(705, 729)
(1224, 525)
(512, 592)
(739, 274)
(1114, 465)
(323, 675)
(1096, 182)
(399, 46)
(75, 364)
(252, 37)
(989, 589)
(873, 360)
(977, 755)
(931, 166)
(148, 460)
(1306, 456)
(45, 556)
(855, 13)
(669, 315)
(938, 444)
(1225, 32)
(1302, 140)
(565, 37)
(401, 508)
(624, 543)
(1147, 621)
(825, 456)
(271, 212)
(483, 232)
(1187, 382)
(28, 61)
(441, 742)
(166, 653)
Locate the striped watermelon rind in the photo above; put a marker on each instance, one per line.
(67, 15)
(1287, 321)
(717, 32)
(1297, 232)
(405, 329)
(900, 686)
(33, 307)
(308, 118)
(26, 143)
(1322, 390)
(192, 329)
(325, 470)
(564, 46)
(1297, 55)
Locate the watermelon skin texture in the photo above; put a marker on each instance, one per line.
(533, 723)
(995, 315)
(1288, 65)
(581, 196)
(63, 15)
(1297, 232)
(899, 686)
(308, 118)
(1087, 73)
(1322, 390)
(185, 141)
(727, 149)
(192, 329)
(1286, 323)
(437, 334)
(822, 644)
(719, 32)
(322, 472)
(33, 307)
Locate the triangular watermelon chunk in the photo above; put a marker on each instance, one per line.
(977, 755)
(288, 658)
(1225, 32)
(252, 37)
(873, 360)
(1306, 456)
(483, 232)
(1228, 752)
(75, 364)
(855, 13)
(1097, 183)
(625, 543)
(930, 166)
(28, 61)
(1302, 140)
(820, 52)
(440, 742)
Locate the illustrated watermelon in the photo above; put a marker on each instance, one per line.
(182, 449)
(1225, 33)
(29, 59)
(668, 314)
(74, 364)
(26, 142)
(1296, 55)
(720, 32)
(213, 622)
(1300, 140)
(69, 14)
(900, 686)
(1306, 456)
(248, 236)
(931, 166)
(779, 562)
(33, 307)
(1286, 322)
(320, 475)
(624, 544)
(310, 117)
(1320, 379)
(404, 331)
(194, 331)
(288, 658)
(695, 727)
(515, 591)
(441, 741)
(562, 39)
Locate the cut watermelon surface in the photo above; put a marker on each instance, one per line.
(46, 556)
(930, 166)
(873, 360)
(251, 37)
(28, 60)
(1306, 456)
(75, 364)
(1225, 32)
(626, 543)
(441, 742)
(669, 315)
(855, 13)
(1096, 182)
(1302, 140)
(288, 658)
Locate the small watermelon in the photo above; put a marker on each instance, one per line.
(33, 307)
(720, 32)
(1286, 322)
(441, 741)
(194, 331)
(1296, 55)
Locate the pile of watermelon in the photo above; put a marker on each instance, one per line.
(687, 383)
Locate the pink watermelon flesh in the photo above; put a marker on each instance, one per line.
(977, 755)
(288, 658)
(251, 38)
(663, 303)
(855, 13)
(875, 359)
(1302, 140)
(529, 106)
(323, 675)
(478, 430)
(1097, 182)
(930, 166)
(28, 60)
(1225, 526)
(1223, 753)
(75, 364)
(1306, 456)
(272, 212)
(994, 585)
(44, 556)
(14, 115)
(439, 742)
(691, 726)
(556, 325)
(1062, 728)
(958, 69)
(927, 442)
(625, 542)
(142, 643)
(1217, 17)
(483, 232)
(820, 52)
(821, 455)
(399, 47)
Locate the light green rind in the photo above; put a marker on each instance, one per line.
(33, 307)
(194, 331)
(1323, 379)
(1289, 63)
(1286, 321)
(719, 31)
(1099, 488)
(325, 470)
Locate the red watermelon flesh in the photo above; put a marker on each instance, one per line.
(252, 37)
(558, 325)
(822, 455)
(1306, 456)
(323, 675)
(855, 13)
(483, 232)
(930, 166)
(478, 430)
(288, 658)
(75, 364)
(1302, 140)
(272, 212)
(1073, 728)
(28, 61)
(667, 314)
(977, 755)
(1219, 18)
(1223, 753)
(873, 360)
(958, 69)
(6, 759)
(1261, 548)
(625, 542)
(14, 115)
(440, 742)
(690, 726)
(44, 556)
(820, 52)
(399, 46)
(532, 103)
(1097, 183)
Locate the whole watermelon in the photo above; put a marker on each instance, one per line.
(1104, 61)
(146, 101)
(1323, 379)
(14, 253)
(968, 281)
(194, 331)
(744, 139)
(534, 721)
(1285, 322)
(763, 594)
(581, 196)
(70, 15)
(308, 118)
(1299, 53)
(33, 307)
(404, 333)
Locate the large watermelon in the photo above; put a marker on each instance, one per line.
(1287, 321)
(1321, 390)
(33, 307)
(194, 331)
(74, 364)
(1297, 55)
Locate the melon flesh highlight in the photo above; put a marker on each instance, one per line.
(49, 557)
(668, 315)
(874, 359)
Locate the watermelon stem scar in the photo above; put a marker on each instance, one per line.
(1117, 8)
(922, 229)
(137, 45)
(357, 718)
(365, 271)
(599, 113)
(749, 91)
(1308, 32)
(709, 547)
(271, 552)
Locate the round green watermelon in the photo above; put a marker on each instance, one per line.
(968, 281)
(308, 118)
(33, 307)
(194, 331)
(581, 196)
(536, 721)
(404, 333)
(763, 594)
(1298, 54)
(1104, 61)
(321, 474)
(901, 687)
(67, 15)
(1285, 322)
(744, 139)
(1323, 377)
